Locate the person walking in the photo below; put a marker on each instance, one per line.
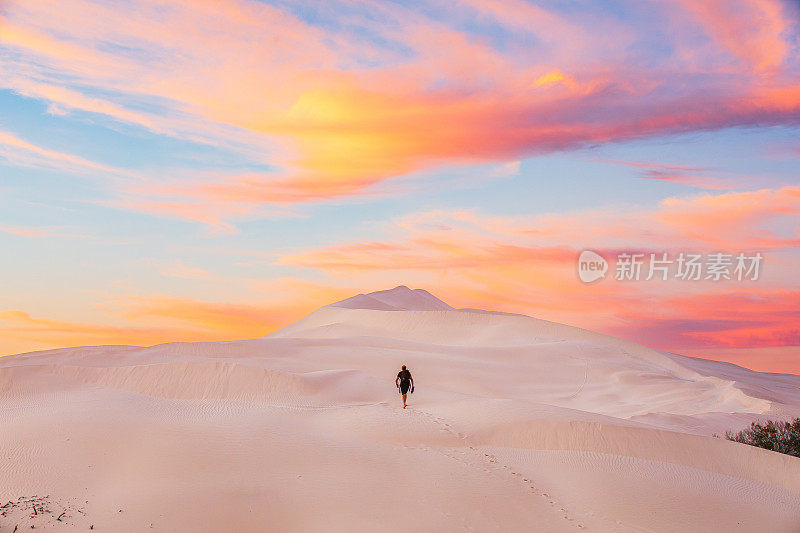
(403, 382)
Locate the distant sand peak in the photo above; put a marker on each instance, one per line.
(401, 298)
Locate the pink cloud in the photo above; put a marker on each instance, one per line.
(20, 152)
(734, 219)
(527, 264)
(751, 318)
(338, 116)
(686, 175)
(27, 232)
(752, 30)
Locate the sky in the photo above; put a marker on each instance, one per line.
(198, 170)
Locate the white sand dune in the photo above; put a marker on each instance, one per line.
(516, 424)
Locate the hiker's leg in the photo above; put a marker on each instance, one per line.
(404, 401)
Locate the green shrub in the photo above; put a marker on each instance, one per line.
(778, 436)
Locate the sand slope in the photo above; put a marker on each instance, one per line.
(517, 424)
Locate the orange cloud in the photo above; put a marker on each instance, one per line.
(240, 320)
(527, 264)
(780, 359)
(335, 114)
(739, 221)
(20, 331)
(733, 219)
(554, 77)
(153, 319)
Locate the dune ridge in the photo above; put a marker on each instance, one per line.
(517, 424)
